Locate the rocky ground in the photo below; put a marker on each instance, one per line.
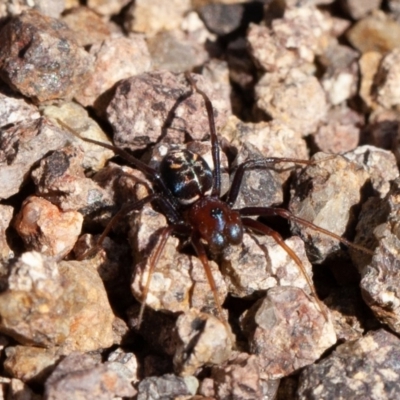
(312, 80)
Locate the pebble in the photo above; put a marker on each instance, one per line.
(365, 367)
(24, 62)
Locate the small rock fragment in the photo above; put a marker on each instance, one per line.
(375, 32)
(14, 108)
(287, 331)
(380, 164)
(380, 281)
(107, 7)
(259, 263)
(341, 76)
(341, 132)
(325, 194)
(21, 146)
(369, 64)
(31, 363)
(358, 9)
(204, 340)
(367, 367)
(153, 105)
(60, 179)
(292, 42)
(167, 387)
(153, 16)
(77, 118)
(176, 52)
(46, 229)
(79, 376)
(297, 100)
(109, 67)
(388, 79)
(6, 214)
(239, 377)
(89, 26)
(24, 62)
(18, 390)
(49, 304)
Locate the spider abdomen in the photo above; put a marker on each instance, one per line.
(187, 175)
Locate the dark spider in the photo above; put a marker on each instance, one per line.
(188, 193)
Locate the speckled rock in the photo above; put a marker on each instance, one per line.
(325, 194)
(240, 377)
(380, 164)
(21, 147)
(292, 41)
(14, 108)
(79, 376)
(46, 229)
(153, 105)
(259, 263)
(88, 25)
(287, 331)
(203, 340)
(341, 132)
(24, 62)
(60, 179)
(49, 304)
(297, 100)
(77, 118)
(109, 68)
(388, 79)
(367, 367)
(381, 278)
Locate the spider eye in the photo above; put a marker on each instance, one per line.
(217, 242)
(235, 233)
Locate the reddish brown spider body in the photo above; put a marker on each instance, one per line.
(188, 192)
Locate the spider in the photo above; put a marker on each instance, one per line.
(188, 192)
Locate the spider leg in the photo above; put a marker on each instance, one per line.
(216, 190)
(150, 172)
(155, 256)
(167, 208)
(201, 253)
(265, 163)
(281, 212)
(264, 229)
